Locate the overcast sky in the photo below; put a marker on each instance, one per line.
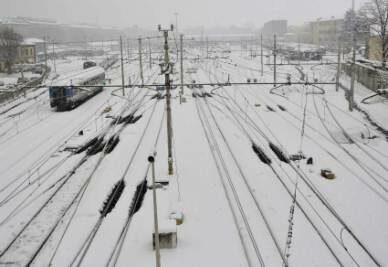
(149, 13)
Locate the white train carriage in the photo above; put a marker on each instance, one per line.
(68, 92)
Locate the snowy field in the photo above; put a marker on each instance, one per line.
(241, 206)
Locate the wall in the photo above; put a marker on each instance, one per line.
(369, 77)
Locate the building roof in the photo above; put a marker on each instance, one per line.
(32, 41)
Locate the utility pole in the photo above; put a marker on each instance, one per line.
(251, 48)
(299, 50)
(207, 47)
(261, 54)
(55, 66)
(202, 41)
(45, 51)
(127, 49)
(151, 160)
(181, 48)
(176, 23)
(167, 69)
(141, 63)
(86, 48)
(122, 65)
(353, 77)
(337, 78)
(274, 60)
(150, 52)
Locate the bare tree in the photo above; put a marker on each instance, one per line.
(375, 13)
(353, 23)
(9, 43)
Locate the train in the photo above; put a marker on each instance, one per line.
(68, 92)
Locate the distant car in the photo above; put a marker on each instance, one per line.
(327, 173)
(89, 64)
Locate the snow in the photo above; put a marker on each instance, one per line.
(79, 77)
(214, 232)
(32, 41)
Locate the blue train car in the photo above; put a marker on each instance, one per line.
(68, 93)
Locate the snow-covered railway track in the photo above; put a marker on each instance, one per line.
(68, 191)
(226, 182)
(321, 199)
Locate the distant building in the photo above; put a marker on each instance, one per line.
(278, 27)
(300, 34)
(325, 32)
(25, 53)
(54, 30)
(39, 45)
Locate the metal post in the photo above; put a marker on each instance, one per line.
(45, 51)
(127, 49)
(207, 47)
(141, 63)
(181, 44)
(167, 70)
(176, 23)
(353, 71)
(251, 48)
(86, 48)
(337, 78)
(151, 159)
(149, 51)
(122, 65)
(274, 60)
(261, 54)
(55, 66)
(299, 50)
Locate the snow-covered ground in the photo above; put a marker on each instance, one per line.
(236, 209)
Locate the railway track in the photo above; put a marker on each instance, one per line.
(321, 198)
(66, 185)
